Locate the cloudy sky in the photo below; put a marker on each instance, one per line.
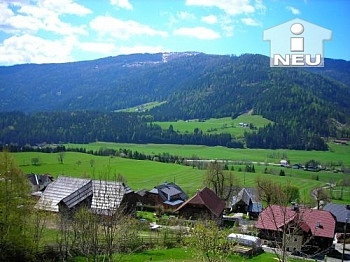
(55, 31)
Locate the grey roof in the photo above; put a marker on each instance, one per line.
(41, 181)
(248, 197)
(245, 195)
(341, 212)
(107, 196)
(153, 191)
(58, 190)
(167, 190)
(170, 191)
(174, 203)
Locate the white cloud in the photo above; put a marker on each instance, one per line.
(64, 7)
(186, 16)
(250, 21)
(32, 49)
(231, 7)
(227, 25)
(210, 19)
(116, 28)
(122, 4)
(180, 16)
(44, 15)
(294, 10)
(202, 33)
(141, 49)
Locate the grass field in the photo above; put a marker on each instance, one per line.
(140, 108)
(217, 125)
(186, 255)
(147, 174)
(339, 154)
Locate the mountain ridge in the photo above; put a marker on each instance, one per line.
(303, 102)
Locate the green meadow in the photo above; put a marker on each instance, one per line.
(338, 154)
(146, 174)
(217, 125)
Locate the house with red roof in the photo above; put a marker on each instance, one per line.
(205, 204)
(302, 229)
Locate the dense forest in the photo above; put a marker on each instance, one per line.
(77, 102)
(84, 127)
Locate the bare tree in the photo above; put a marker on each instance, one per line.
(220, 181)
(61, 157)
(320, 194)
(85, 229)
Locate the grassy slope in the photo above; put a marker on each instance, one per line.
(217, 125)
(338, 153)
(184, 255)
(146, 174)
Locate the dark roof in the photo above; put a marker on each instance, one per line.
(341, 212)
(255, 207)
(319, 222)
(78, 196)
(39, 180)
(167, 190)
(207, 198)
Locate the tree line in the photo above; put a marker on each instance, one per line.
(86, 126)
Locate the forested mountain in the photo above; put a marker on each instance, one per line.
(305, 104)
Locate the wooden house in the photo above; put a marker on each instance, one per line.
(205, 204)
(246, 201)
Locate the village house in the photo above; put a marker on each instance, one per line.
(109, 196)
(60, 189)
(205, 204)
(67, 194)
(247, 202)
(169, 195)
(342, 215)
(306, 230)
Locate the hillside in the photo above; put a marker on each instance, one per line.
(305, 104)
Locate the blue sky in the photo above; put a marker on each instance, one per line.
(55, 31)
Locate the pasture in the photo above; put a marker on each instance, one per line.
(338, 154)
(147, 174)
(217, 125)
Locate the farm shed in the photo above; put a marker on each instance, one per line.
(109, 196)
(69, 189)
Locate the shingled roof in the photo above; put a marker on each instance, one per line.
(208, 199)
(63, 188)
(107, 196)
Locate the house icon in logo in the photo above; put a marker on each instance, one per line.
(297, 43)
